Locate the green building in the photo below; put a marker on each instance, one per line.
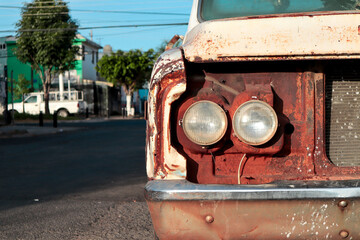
(83, 77)
(16, 68)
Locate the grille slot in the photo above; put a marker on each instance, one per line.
(342, 124)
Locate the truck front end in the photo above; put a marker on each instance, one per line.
(253, 127)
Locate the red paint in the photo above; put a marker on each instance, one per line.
(296, 93)
(295, 90)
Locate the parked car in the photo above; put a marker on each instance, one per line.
(64, 104)
(253, 127)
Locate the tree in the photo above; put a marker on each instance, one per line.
(45, 35)
(22, 87)
(130, 70)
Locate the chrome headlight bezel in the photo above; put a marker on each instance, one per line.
(209, 141)
(271, 114)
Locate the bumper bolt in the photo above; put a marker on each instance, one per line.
(344, 234)
(209, 219)
(343, 204)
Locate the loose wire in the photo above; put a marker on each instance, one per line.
(239, 170)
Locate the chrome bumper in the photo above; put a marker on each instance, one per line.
(285, 210)
(182, 190)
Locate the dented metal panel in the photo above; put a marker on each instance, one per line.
(167, 84)
(260, 220)
(284, 210)
(292, 36)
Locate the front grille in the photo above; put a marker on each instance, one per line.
(343, 119)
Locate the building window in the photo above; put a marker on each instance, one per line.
(97, 57)
(83, 52)
(93, 57)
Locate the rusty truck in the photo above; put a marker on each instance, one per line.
(253, 126)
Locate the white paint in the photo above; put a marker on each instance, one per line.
(326, 36)
(193, 21)
(151, 144)
(171, 155)
(128, 105)
(90, 51)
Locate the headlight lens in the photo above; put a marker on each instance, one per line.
(255, 122)
(204, 123)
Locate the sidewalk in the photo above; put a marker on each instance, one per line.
(23, 130)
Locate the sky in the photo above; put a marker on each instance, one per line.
(103, 13)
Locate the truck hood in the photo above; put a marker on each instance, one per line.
(324, 35)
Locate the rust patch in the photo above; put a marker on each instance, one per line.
(168, 73)
(297, 150)
(169, 169)
(172, 42)
(295, 219)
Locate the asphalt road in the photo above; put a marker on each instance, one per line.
(84, 184)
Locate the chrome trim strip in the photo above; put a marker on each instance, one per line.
(183, 190)
(199, 18)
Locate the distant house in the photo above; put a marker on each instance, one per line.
(83, 77)
(85, 63)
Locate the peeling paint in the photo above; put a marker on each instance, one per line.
(332, 36)
(167, 84)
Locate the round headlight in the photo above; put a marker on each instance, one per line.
(255, 122)
(204, 123)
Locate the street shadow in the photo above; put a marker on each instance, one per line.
(99, 156)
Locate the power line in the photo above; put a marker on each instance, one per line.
(96, 27)
(130, 12)
(65, 6)
(137, 31)
(45, 2)
(103, 11)
(104, 20)
(45, 14)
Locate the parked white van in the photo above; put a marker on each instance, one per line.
(66, 103)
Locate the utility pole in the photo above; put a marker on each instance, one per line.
(12, 97)
(6, 96)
